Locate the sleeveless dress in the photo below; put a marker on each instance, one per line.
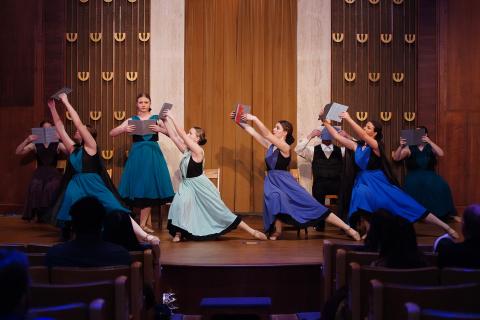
(146, 180)
(45, 183)
(424, 185)
(373, 191)
(197, 210)
(285, 198)
(87, 177)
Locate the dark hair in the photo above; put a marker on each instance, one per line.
(395, 239)
(117, 228)
(87, 216)
(471, 222)
(45, 121)
(92, 130)
(146, 95)
(287, 126)
(378, 128)
(424, 128)
(15, 281)
(201, 135)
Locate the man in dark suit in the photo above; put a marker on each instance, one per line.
(463, 254)
(87, 249)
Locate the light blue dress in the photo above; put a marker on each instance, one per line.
(145, 180)
(197, 210)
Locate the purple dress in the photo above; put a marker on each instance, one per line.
(285, 198)
(45, 183)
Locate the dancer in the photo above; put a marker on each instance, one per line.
(45, 183)
(375, 185)
(197, 211)
(421, 160)
(145, 180)
(285, 201)
(85, 174)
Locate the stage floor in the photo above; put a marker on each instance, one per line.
(234, 248)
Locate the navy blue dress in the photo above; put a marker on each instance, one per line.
(285, 198)
(373, 191)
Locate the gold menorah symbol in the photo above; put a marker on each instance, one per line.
(119, 115)
(131, 75)
(349, 1)
(68, 116)
(398, 1)
(83, 75)
(337, 37)
(107, 1)
(398, 76)
(409, 116)
(362, 37)
(71, 36)
(374, 76)
(374, 1)
(83, 1)
(350, 76)
(119, 36)
(386, 116)
(107, 154)
(95, 36)
(362, 115)
(132, 1)
(386, 37)
(409, 38)
(107, 75)
(144, 36)
(95, 115)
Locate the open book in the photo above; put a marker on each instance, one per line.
(45, 135)
(332, 111)
(63, 90)
(413, 136)
(142, 127)
(240, 111)
(166, 106)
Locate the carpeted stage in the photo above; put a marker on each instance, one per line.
(288, 270)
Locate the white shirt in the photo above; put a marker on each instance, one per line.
(306, 150)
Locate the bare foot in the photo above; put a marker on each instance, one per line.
(353, 234)
(259, 235)
(147, 229)
(275, 236)
(177, 238)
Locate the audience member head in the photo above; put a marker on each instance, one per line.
(87, 216)
(117, 228)
(471, 223)
(14, 284)
(395, 239)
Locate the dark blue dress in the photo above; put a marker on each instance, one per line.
(86, 180)
(424, 185)
(373, 191)
(146, 180)
(285, 198)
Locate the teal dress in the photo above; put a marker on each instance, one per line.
(197, 211)
(146, 180)
(424, 185)
(86, 177)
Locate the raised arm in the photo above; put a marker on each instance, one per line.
(159, 127)
(402, 152)
(267, 135)
(361, 134)
(251, 131)
(60, 128)
(26, 146)
(350, 144)
(174, 136)
(435, 148)
(89, 142)
(197, 151)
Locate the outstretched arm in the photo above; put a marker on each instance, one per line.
(251, 131)
(266, 134)
(89, 142)
(67, 141)
(174, 136)
(361, 134)
(352, 145)
(26, 146)
(197, 151)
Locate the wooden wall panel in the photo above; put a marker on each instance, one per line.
(31, 66)
(112, 46)
(459, 97)
(239, 51)
(362, 53)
